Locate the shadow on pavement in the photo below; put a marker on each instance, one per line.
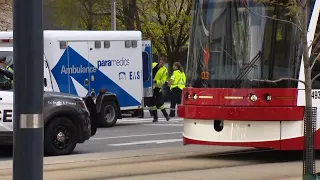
(6, 153)
(258, 155)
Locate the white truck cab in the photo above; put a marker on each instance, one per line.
(106, 68)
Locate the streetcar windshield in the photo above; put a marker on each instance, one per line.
(238, 44)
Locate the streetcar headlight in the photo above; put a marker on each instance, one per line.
(195, 96)
(253, 98)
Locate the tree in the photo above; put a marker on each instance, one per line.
(81, 14)
(128, 14)
(167, 24)
(5, 15)
(298, 15)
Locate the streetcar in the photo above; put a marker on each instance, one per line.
(235, 50)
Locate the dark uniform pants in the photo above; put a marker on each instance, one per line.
(158, 102)
(175, 99)
(157, 99)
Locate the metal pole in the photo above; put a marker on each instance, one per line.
(28, 90)
(113, 15)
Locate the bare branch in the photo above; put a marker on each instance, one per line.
(314, 78)
(278, 80)
(315, 60)
(314, 40)
(273, 18)
(299, 2)
(90, 12)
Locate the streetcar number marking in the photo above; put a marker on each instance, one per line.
(205, 75)
(315, 94)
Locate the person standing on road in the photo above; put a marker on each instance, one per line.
(159, 75)
(177, 83)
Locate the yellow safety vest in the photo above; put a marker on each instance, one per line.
(160, 76)
(179, 79)
(10, 69)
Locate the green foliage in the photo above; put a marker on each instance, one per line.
(292, 7)
(165, 22)
(79, 14)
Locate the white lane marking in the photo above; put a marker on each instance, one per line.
(135, 135)
(148, 120)
(147, 142)
(155, 124)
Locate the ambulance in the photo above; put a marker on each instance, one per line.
(111, 70)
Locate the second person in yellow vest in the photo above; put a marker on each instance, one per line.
(177, 83)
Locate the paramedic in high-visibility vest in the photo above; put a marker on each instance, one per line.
(159, 75)
(176, 82)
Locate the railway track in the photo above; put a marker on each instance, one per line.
(165, 163)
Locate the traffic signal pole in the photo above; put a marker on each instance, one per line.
(28, 90)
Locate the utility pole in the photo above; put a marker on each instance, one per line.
(113, 15)
(28, 90)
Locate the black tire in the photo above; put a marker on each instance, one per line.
(51, 142)
(108, 115)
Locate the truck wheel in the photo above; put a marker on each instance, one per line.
(108, 115)
(60, 137)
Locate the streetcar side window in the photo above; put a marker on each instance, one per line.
(314, 53)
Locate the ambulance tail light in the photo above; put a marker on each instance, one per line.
(5, 40)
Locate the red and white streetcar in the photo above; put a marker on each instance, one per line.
(231, 43)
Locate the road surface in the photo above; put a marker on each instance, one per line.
(129, 134)
(135, 133)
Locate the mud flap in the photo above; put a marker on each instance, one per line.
(93, 114)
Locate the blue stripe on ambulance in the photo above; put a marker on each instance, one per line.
(100, 79)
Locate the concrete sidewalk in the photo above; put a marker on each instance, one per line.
(180, 163)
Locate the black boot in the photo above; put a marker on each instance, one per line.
(141, 113)
(155, 116)
(172, 113)
(165, 114)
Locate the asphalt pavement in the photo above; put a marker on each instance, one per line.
(135, 133)
(128, 134)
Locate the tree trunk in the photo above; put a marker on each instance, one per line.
(128, 14)
(6, 15)
(306, 59)
(172, 59)
(309, 124)
(136, 15)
